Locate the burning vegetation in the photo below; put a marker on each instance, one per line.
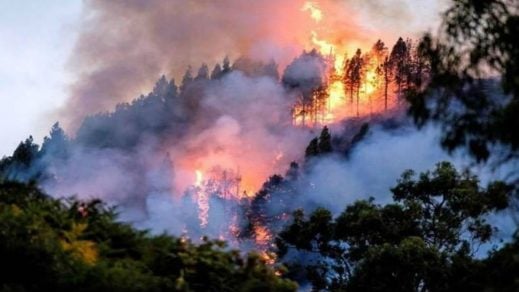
(256, 153)
(363, 85)
(212, 143)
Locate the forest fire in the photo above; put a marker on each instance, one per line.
(213, 145)
(202, 199)
(358, 79)
(239, 145)
(349, 87)
(216, 183)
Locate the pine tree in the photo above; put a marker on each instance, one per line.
(56, 144)
(160, 87)
(313, 148)
(186, 80)
(354, 76)
(420, 67)
(385, 69)
(409, 64)
(217, 72)
(325, 141)
(26, 152)
(226, 66)
(203, 73)
(379, 51)
(399, 60)
(293, 172)
(171, 91)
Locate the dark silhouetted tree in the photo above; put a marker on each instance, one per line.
(312, 149)
(386, 72)
(55, 245)
(217, 72)
(379, 50)
(418, 243)
(186, 80)
(353, 76)
(477, 112)
(56, 145)
(226, 67)
(26, 152)
(203, 73)
(399, 60)
(325, 141)
(293, 171)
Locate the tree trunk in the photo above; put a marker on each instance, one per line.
(358, 88)
(385, 91)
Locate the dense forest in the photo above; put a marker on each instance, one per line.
(437, 232)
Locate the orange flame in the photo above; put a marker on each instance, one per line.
(199, 178)
(315, 13)
(369, 98)
(202, 199)
(333, 104)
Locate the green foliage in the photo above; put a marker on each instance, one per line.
(52, 245)
(29, 162)
(19, 166)
(424, 240)
(26, 152)
(55, 145)
(502, 268)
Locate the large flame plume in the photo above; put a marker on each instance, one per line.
(333, 98)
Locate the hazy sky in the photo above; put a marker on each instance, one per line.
(37, 39)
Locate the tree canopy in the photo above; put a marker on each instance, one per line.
(54, 245)
(424, 241)
(474, 90)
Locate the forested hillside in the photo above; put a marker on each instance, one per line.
(394, 168)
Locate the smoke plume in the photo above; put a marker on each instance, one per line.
(152, 155)
(125, 45)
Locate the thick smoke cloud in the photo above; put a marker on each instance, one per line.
(243, 123)
(369, 170)
(143, 156)
(373, 166)
(125, 45)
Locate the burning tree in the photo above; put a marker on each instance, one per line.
(216, 184)
(400, 63)
(353, 76)
(306, 79)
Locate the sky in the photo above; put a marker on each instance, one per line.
(37, 41)
(36, 38)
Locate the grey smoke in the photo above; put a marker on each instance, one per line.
(124, 45)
